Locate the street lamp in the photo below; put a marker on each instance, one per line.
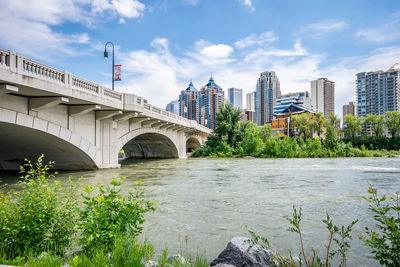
(106, 57)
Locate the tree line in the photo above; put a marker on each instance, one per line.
(310, 135)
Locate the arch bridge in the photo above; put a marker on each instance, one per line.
(80, 124)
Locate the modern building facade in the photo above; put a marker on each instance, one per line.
(350, 108)
(323, 96)
(298, 99)
(268, 90)
(235, 97)
(211, 100)
(251, 101)
(378, 92)
(189, 104)
(173, 107)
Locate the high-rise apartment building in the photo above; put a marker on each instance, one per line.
(349, 109)
(173, 107)
(235, 97)
(251, 101)
(323, 96)
(189, 104)
(378, 92)
(211, 100)
(298, 99)
(268, 89)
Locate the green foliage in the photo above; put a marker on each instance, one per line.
(198, 152)
(39, 216)
(384, 237)
(377, 123)
(374, 142)
(353, 125)
(332, 139)
(250, 144)
(270, 149)
(287, 148)
(337, 235)
(303, 125)
(392, 122)
(108, 214)
(227, 128)
(266, 133)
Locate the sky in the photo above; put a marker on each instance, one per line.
(163, 44)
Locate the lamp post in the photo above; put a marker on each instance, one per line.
(106, 56)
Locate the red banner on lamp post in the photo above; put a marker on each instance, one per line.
(117, 74)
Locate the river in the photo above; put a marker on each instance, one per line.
(206, 202)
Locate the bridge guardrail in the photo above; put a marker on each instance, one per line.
(4, 58)
(42, 71)
(80, 83)
(113, 94)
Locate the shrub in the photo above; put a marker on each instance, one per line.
(384, 239)
(198, 152)
(38, 217)
(270, 149)
(108, 214)
(287, 148)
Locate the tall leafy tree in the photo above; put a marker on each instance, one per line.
(392, 122)
(353, 124)
(334, 120)
(227, 128)
(301, 122)
(320, 123)
(377, 123)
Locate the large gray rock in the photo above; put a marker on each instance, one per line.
(236, 254)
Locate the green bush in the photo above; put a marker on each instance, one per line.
(39, 216)
(198, 152)
(270, 149)
(287, 148)
(106, 215)
(384, 237)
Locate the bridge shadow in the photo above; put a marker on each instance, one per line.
(19, 142)
(150, 145)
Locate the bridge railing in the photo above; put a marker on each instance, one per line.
(41, 71)
(84, 85)
(4, 59)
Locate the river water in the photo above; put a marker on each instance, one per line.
(203, 203)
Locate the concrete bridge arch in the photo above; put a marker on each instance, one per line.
(151, 143)
(26, 136)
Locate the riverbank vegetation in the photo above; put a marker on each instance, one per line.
(46, 223)
(313, 136)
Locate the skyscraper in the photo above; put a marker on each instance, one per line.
(268, 89)
(211, 100)
(173, 107)
(378, 92)
(235, 97)
(250, 101)
(350, 109)
(323, 96)
(189, 103)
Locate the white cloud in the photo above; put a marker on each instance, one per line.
(217, 51)
(378, 36)
(254, 39)
(27, 26)
(248, 3)
(328, 26)
(128, 8)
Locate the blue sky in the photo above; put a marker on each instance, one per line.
(162, 44)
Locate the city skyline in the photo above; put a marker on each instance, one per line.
(300, 46)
